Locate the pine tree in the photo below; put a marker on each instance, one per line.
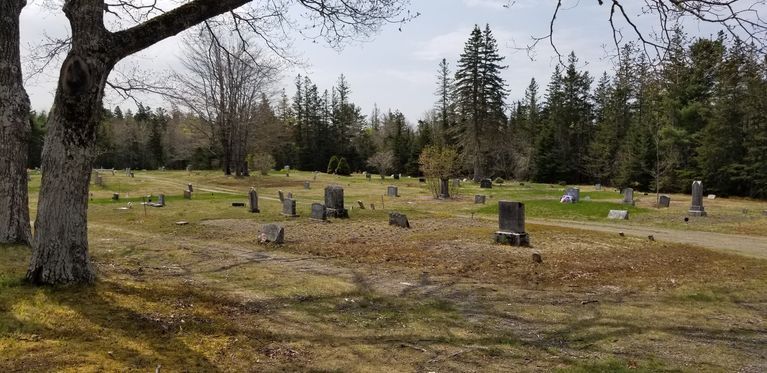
(444, 105)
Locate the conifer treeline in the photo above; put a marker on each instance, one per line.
(699, 114)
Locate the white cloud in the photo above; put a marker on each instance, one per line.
(450, 45)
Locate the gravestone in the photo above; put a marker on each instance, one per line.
(253, 201)
(664, 201)
(479, 199)
(400, 220)
(396, 176)
(373, 207)
(160, 200)
(189, 187)
(99, 181)
(444, 188)
(115, 196)
(319, 212)
(587, 199)
(315, 175)
(574, 193)
(421, 179)
(696, 209)
(456, 183)
(307, 185)
(391, 191)
(290, 195)
(712, 196)
(281, 195)
(361, 205)
(289, 207)
(187, 194)
(486, 184)
(598, 187)
(238, 204)
(368, 176)
(628, 196)
(131, 174)
(511, 224)
(274, 233)
(618, 214)
(334, 202)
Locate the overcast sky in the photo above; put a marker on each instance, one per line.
(397, 69)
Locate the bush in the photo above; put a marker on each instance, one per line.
(333, 164)
(499, 180)
(261, 162)
(343, 167)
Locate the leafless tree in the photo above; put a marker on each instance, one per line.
(60, 248)
(14, 130)
(382, 161)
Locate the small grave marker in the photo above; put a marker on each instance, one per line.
(628, 196)
(319, 212)
(618, 214)
(273, 233)
(486, 184)
(281, 195)
(307, 185)
(399, 220)
(187, 194)
(664, 201)
(361, 205)
(289, 207)
(392, 191)
(479, 199)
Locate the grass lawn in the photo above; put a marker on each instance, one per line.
(358, 295)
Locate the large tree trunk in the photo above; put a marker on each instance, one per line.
(14, 130)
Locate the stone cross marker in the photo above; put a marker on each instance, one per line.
(391, 191)
(486, 184)
(479, 199)
(628, 196)
(664, 201)
(696, 209)
(319, 212)
(511, 223)
(334, 202)
(289, 207)
(253, 201)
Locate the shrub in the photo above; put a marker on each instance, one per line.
(343, 167)
(333, 164)
(261, 162)
(499, 180)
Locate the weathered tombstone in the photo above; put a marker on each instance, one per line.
(618, 214)
(628, 196)
(444, 188)
(456, 183)
(598, 187)
(319, 212)
(274, 233)
(187, 194)
(479, 199)
(238, 204)
(368, 176)
(511, 223)
(373, 207)
(696, 209)
(361, 205)
(400, 220)
(712, 196)
(99, 181)
(113, 172)
(587, 199)
(486, 184)
(115, 196)
(537, 258)
(131, 174)
(289, 207)
(392, 191)
(664, 201)
(290, 195)
(396, 176)
(281, 195)
(307, 185)
(189, 187)
(334, 202)
(160, 201)
(253, 201)
(574, 193)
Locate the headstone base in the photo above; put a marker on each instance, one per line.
(338, 213)
(696, 213)
(513, 239)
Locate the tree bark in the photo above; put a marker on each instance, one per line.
(14, 130)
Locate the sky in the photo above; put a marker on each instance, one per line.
(397, 68)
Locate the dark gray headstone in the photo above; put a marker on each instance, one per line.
(368, 176)
(486, 184)
(511, 224)
(319, 212)
(307, 185)
(334, 202)
(396, 176)
(115, 196)
(479, 199)
(574, 193)
(628, 196)
(187, 194)
(421, 179)
(696, 209)
(664, 201)
(392, 191)
(618, 214)
(289, 207)
(444, 188)
(253, 201)
(274, 233)
(400, 220)
(238, 204)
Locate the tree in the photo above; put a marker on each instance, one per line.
(444, 105)
(343, 168)
(14, 130)
(262, 162)
(382, 161)
(333, 164)
(60, 250)
(438, 164)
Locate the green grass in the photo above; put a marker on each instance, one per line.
(588, 210)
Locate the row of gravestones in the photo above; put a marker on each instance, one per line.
(696, 207)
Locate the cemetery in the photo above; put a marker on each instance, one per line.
(422, 279)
